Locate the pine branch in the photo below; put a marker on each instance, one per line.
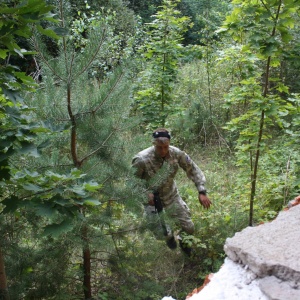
(94, 110)
(94, 55)
(100, 147)
(44, 59)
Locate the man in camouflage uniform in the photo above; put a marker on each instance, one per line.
(158, 165)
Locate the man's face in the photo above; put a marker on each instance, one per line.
(162, 148)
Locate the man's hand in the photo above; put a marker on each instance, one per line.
(205, 202)
(151, 199)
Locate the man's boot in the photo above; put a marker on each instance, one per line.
(171, 242)
(185, 248)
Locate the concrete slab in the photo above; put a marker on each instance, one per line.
(271, 248)
(276, 289)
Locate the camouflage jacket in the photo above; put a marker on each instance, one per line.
(160, 172)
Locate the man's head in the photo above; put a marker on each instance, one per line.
(161, 141)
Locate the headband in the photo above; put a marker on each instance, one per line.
(158, 134)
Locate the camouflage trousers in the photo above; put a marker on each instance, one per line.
(176, 214)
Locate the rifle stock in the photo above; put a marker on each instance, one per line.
(157, 202)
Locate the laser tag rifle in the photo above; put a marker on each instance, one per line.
(157, 202)
(159, 208)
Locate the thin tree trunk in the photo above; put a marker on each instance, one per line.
(163, 95)
(208, 61)
(86, 252)
(254, 176)
(86, 265)
(3, 282)
(261, 127)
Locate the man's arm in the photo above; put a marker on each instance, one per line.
(197, 176)
(139, 171)
(139, 167)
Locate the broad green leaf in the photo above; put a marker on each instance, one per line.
(54, 176)
(55, 230)
(45, 209)
(92, 186)
(26, 79)
(29, 148)
(60, 200)
(77, 173)
(3, 53)
(275, 62)
(4, 170)
(60, 31)
(91, 202)
(79, 190)
(5, 155)
(32, 187)
(283, 88)
(47, 32)
(11, 204)
(28, 270)
(32, 174)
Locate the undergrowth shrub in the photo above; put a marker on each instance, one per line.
(203, 114)
(227, 215)
(228, 187)
(135, 262)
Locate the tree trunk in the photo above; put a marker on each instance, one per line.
(3, 282)
(261, 127)
(86, 265)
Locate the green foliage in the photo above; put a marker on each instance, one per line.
(227, 215)
(34, 273)
(196, 10)
(153, 93)
(62, 196)
(117, 45)
(20, 129)
(16, 22)
(16, 126)
(92, 150)
(206, 17)
(203, 115)
(254, 20)
(144, 8)
(229, 189)
(66, 184)
(126, 18)
(202, 82)
(264, 100)
(50, 195)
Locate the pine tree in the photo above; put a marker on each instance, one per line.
(88, 107)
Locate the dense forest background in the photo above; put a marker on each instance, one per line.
(82, 86)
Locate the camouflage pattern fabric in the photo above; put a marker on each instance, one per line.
(160, 176)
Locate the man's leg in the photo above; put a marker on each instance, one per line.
(156, 223)
(152, 222)
(181, 213)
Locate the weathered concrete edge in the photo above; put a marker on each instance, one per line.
(260, 268)
(258, 263)
(275, 289)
